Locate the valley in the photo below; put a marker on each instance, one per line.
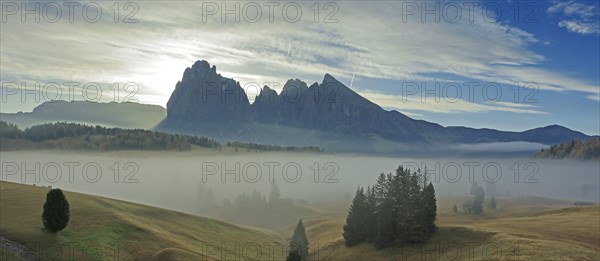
(522, 228)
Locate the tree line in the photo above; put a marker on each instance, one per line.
(574, 149)
(10, 131)
(267, 147)
(400, 208)
(62, 135)
(476, 204)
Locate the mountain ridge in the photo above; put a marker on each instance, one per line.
(130, 115)
(329, 106)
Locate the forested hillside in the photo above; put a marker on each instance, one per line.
(63, 135)
(574, 149)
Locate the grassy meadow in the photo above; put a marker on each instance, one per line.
(521, 228)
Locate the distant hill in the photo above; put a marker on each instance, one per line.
(206, 102)
(574, 149)
(76, 136)
(112, 114)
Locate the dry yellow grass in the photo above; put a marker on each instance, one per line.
(101, 228)
(526, 228)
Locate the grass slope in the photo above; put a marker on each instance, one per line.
(525, 228)
(107, 229)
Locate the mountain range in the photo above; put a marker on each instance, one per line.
(206, 102)
(327, 114)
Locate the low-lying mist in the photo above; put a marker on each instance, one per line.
(181, 181)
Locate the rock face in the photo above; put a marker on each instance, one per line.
(331, 106)
(203, 97)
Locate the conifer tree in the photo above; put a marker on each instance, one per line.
(355, 227)
(385, 224)
(370, 218)
(478, 202)
(56, 211)
(299, 241)
(383, 216)
(430, 208)
(400, 208)
(416, 208)
(455, 208)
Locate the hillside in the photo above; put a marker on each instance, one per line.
(75, 136)
(99, 225)
(576, 149)
(523, 228)
(112, 114)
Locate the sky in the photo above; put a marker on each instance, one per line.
(508, 65)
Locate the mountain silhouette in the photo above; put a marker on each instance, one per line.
(206, 102)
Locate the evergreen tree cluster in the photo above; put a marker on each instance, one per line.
(255, 200)
(399, 209)
(267, 147)
(77, 136)
(477, 205)
(10, 131)
(574, 149)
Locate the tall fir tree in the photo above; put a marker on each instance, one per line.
(299, 241)
(430, 208)
(384, 216)
(493, 202)
(385, 224)
(370, 218)
(415, 207)
(355, 228)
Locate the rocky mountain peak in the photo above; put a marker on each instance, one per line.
(205, 98)
(203, 94)
(329, 78)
